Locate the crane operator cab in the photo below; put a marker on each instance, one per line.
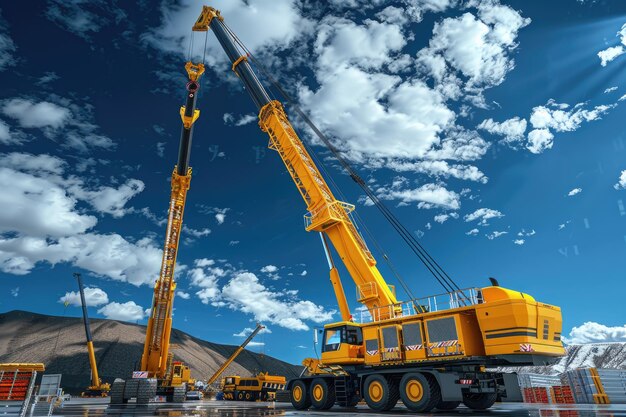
(343, 342)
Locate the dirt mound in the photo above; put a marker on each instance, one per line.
(59, 342)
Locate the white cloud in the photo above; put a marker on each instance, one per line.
(242, 120)
(512, 130)
(519, 241)
(244, 292)
(233, 243)
(75, 121)
(182, 294)
(592, 332)
(610, 89)
(360, 107)
(128, 311)
(426, 196)
(574, 192)
(8, 137)
(621, 183)
(609, 54)
(282, 24)
(38, 206)
(523, 232)
(41, 222)
(36, 115)
(110, 200)
(539, 140)
(473, 232)
(108, 255)
(495, 235)
(442, 218)
(84, 18)
(553, 116)
(93, 297)
(15, 292)
(269, 269)
(303, 273)
(476, 48)
(434, 168)
(483, 214)
(248, 331)
(197, 233)
(7, 47)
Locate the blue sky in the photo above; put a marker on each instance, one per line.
(493, 129)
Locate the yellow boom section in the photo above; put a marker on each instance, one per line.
(325, 213)
(156, 347)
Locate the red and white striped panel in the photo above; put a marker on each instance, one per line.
(526, 347)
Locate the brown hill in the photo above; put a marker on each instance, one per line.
(59, 342)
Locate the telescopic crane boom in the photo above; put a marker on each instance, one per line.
(157, 362)
(236, 353)
(430, 352)
(97, 388)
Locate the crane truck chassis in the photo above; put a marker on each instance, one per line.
(430, 353)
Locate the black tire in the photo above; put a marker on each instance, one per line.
(130, 388)
(299, 395)
(322, 393)
(419, 392)
(248, 396)
(447, 405)
(179, 394)
(479, 401)
(146, 390)
(240, 395)
(380, 393)
(117, 392)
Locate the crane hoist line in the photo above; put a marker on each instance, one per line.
(431, 352)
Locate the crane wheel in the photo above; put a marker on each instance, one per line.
(381, 394)
(248, 396)
(240, 396)
(419, 392)
(300, 398)
(322, 393)
(479, 401)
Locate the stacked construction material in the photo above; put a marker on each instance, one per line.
(536, 388)
(16, 387)
(597, 386)
(562, 394)
(614, 384)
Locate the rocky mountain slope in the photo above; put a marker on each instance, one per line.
(592, 355)
(59, 342)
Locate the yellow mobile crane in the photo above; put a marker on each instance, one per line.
(159, 374)
(429, 352)
(236, 353)
(97, 387)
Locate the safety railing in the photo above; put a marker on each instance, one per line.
(461, 298)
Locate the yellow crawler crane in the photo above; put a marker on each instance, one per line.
(262, 387)
(97, 387)
(430, 352)
(159, 374)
